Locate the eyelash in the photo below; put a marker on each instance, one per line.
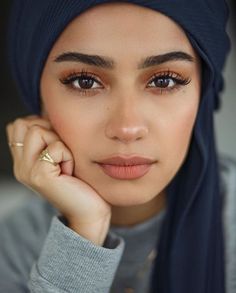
(164, 76)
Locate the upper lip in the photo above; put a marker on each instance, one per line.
(127, 161)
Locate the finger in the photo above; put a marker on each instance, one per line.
(16, 133)
(61, 156)
(15, 151)
(19, 130)
(9, 133)
(21, 127)
(36, 140)
(67, 167)
(38, 120)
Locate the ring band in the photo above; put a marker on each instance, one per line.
(44, 156)
(15, 144)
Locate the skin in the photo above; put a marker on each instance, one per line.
(126, 113)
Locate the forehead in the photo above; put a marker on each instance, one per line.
(122, 27)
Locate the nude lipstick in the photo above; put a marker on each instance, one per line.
(126, 168)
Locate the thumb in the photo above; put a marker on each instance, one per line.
(67, 168)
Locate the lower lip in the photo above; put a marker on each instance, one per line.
(125, 172)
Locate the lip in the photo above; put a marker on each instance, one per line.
(126, 167)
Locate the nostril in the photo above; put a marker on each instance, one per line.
(126, 134)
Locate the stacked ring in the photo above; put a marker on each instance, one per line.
(15, 144)
(45, 156)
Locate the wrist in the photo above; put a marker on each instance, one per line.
(95, 232)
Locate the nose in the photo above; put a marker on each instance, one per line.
(126, 122)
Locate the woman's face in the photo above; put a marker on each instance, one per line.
(123, 80)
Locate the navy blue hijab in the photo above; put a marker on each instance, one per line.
(191, 249)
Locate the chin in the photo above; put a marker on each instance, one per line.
(126, 198)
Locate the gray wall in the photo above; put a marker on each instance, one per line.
(226, 118)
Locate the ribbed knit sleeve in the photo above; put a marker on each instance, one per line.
(70, 263)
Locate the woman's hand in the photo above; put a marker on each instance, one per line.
(86, 212)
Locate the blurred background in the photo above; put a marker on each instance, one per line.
(11, 192)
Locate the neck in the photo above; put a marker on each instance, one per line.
(129, 216)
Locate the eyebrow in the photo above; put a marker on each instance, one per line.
(108, 63)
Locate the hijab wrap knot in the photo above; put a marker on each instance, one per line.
(191, 250)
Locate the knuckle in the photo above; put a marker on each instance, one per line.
(20, 122)
(35, 129)
(57, 144)
(38, 120)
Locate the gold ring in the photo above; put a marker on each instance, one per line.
(44, 156)
(15, 144)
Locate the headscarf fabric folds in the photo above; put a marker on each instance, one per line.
(191, 250)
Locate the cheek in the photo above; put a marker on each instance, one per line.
(62, 121)
(75, 129)
(68, 128)
(177, 136)
(63, 113)
(183, 130)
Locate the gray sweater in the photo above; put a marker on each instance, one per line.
(39, 253)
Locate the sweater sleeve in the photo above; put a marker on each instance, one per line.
(70, 263)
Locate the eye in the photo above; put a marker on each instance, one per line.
(163, 82)
(82, 81)
(167, 81)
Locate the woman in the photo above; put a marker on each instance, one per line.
(121, 147)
